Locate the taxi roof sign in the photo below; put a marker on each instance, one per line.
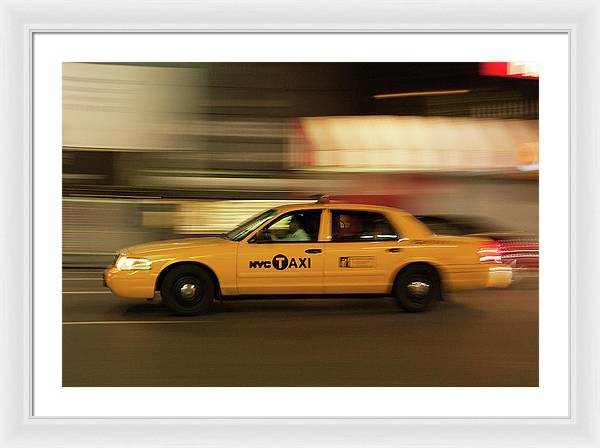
(322, 199)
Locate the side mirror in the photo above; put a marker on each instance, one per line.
(262, 236)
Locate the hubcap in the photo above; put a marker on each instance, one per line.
(188, 291)
(418, 289)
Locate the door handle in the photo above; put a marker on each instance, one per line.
(313, 251)
(394, 249)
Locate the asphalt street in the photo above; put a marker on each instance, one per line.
(479, 338)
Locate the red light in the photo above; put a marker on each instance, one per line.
(525, 70)
(490, 253)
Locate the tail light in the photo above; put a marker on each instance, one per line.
(490, 253)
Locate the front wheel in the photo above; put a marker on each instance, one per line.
(417, 288)
(188, 290)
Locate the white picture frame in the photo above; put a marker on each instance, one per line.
(18, 23)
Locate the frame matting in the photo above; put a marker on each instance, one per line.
(18, 22)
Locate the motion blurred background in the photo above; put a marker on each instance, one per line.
(162, 150)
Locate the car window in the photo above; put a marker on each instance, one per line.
(240, 232)
(282, 224)
(351, 226)
(295, 226)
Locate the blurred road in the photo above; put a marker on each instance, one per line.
(482, 338)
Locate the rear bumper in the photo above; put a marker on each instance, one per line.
(481, 276)
(525, 275)
(130, 284)
(499, 277)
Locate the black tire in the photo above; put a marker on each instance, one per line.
(188, 290)
(417, 288)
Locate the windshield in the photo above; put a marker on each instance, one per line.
(240, 232)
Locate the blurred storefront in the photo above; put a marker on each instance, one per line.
(162, 150)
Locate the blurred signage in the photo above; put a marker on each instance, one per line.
(121, 107)
(526, 70)
(527, 156)
(408, 143)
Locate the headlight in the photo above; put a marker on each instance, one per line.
(125, 263)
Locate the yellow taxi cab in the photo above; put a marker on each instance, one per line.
(322, 248)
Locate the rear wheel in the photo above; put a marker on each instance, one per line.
(188, 290)
(417, 288)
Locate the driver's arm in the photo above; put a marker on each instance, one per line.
(299, 235)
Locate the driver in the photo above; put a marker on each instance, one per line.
(296, 232)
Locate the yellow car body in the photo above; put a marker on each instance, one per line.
(323, 266)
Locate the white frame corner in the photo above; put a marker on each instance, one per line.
(18, 22)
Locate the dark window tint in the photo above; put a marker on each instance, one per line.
(361, 226)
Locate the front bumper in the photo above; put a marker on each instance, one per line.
(130, 284)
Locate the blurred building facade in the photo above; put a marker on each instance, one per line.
(167, 138)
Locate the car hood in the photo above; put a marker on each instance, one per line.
(171, 246)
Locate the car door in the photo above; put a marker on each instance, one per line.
(362, 252)
(281, 265)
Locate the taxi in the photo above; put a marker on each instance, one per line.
(321, 248)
